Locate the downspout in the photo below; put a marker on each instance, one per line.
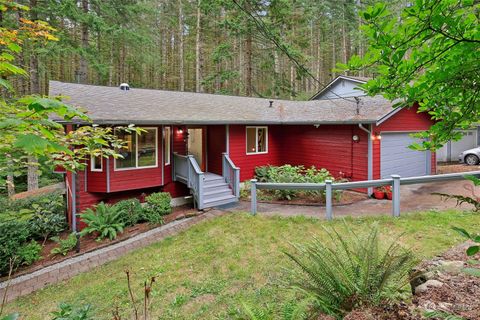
(370, 155)
(74, 202)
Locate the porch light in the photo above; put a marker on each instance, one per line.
(376, 136)
(180, 130)
(356, 138)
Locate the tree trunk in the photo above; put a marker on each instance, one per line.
(83, 67)
(344, 36)
(248, 64)
(198, 51)
(164, 60)
(32, 177)
(276, 77)
(10, 181)
(180, 46)
(34, 74)
(360, 42)
(292, 82)
(334, 52)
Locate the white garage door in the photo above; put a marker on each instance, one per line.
(397, 158)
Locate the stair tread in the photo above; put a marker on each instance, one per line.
(225, 197)
(217, 191)
(216, 185)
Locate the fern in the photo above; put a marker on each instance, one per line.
(105, 221)
(354, 270)
(460, 199)
(64, 245)
(442, 315)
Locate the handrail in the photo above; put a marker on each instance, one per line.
(395, 181)
(187, 170)
(231, 174)
(194, 164)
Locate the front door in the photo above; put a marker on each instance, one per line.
(196, 145)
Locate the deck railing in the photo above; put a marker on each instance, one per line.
(395, 182)
(187, 170)
(231, 174)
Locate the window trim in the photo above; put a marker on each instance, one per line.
(256, 140)
(92, 164)
(136, 153)
(168, 142)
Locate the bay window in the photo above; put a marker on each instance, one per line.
(96, 163)
(257, 140)
(141, 149)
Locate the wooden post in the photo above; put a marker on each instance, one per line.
(396, 195)
(253, 196)
(328, 199)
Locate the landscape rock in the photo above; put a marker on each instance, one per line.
(454, 266)
(428, 285)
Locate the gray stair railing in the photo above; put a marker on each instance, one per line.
(231, 174)
(395, 181)
(187, 170)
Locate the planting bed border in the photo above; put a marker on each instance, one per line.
(66, 269)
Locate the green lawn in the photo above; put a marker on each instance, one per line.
(208, 271)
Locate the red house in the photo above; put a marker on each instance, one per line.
(201, 146)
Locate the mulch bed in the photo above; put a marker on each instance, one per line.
(454, 167)
(459, 295)
(347, 197)
(88, 242)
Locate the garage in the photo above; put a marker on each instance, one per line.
(397, 158)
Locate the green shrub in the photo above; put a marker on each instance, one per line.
(67, 311)
(105, 221)
(48, 217)
(45, 214)
(262, 173)
(64, 245)
(157, 205)
(131, 211)
(293, 174)
(13, 235)
(29, 253)
(351, 271)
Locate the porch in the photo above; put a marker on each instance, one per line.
(207, 189)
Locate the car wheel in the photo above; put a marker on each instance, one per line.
(471, 160)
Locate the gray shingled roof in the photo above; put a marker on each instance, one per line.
(110, 105)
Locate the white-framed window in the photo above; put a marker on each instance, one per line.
(141, 150)
(257, 140)
(96, 163)
(167, 136)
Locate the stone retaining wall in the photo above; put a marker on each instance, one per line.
(66, 269)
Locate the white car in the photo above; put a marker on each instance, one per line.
(470, 156)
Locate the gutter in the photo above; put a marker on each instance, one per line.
(219, 122)
(369, 155)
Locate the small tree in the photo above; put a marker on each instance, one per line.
(428, 55)
(27, 125)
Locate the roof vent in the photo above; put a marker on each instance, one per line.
(124, 87)
(271, 103)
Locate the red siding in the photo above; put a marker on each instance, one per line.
(248, 163)
(330, 147)
(97, 181)
(215, 148)
(406, 120)
(176, 189)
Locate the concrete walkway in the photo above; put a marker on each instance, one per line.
(412, 198)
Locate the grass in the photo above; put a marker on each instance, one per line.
(212, 269)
